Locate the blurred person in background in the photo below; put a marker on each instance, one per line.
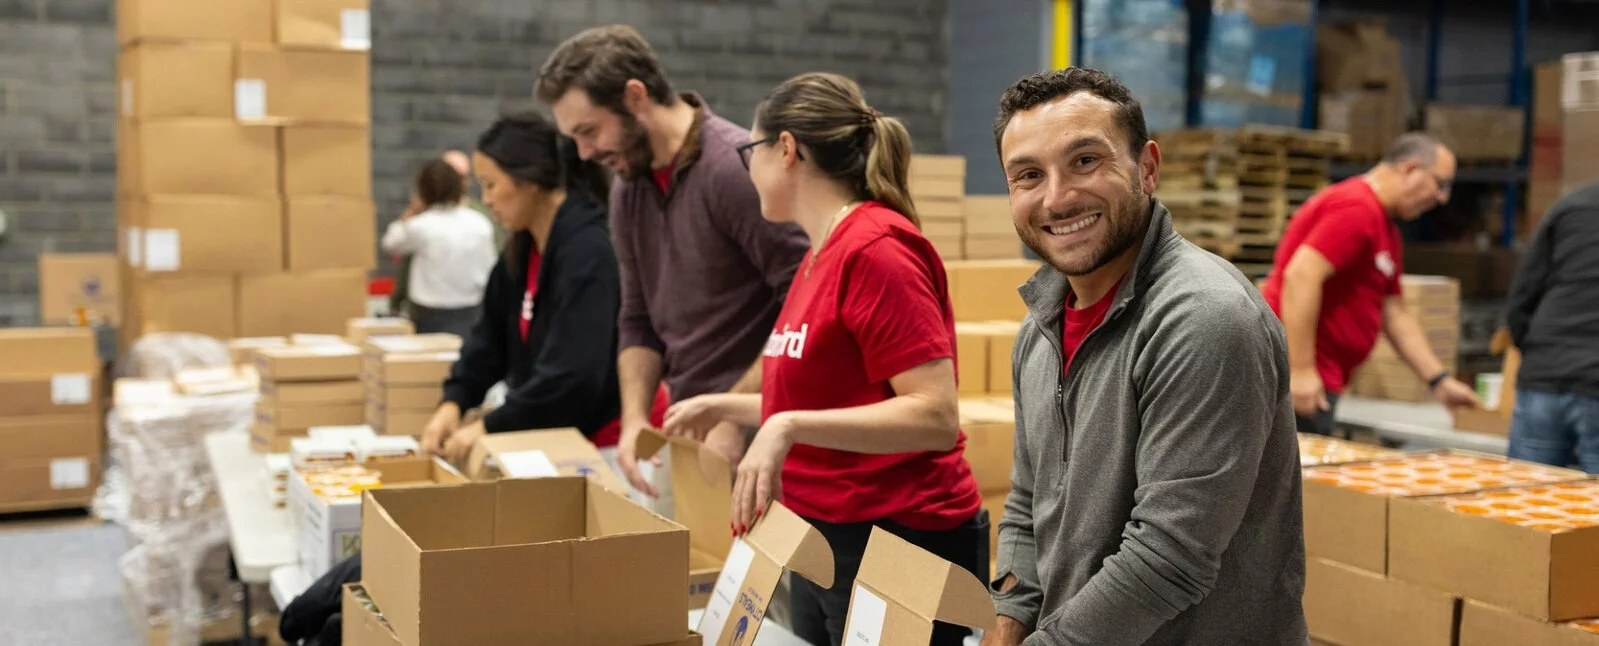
(1554, 321)
(451, 249)
(548, 328)
(1335, 279)
(402, 278)
(703, 275)
(859, 422)
(1155, 486)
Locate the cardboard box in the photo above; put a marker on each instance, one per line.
(1346, 605)
(1320, 449)
(216, 381)
(1580, 136)
(327, 532)
(989, 215)
(938, 188)
(323, 24)
(208, 20)
(74, 282)
(702, 491)
(203, 233)
(1356, 55)
(431, 551)
(300, 86)
(985, 290)
(1373, 119)
(196, 157)
(161, 303)
(266, 438)
(992, 247)
(164, 80)
(780, 541)
(973, 343)
(327, 159)
(308, 415)
(308, 302)
(408, 398)
(1347, 520)
(938, 166)
(990, 427)
(1579, 86)
(62, 393)
(390, 421)
(411, 369)
(29, 352)
(994, 504)
(288, 394)
(364, 626)
(1478, 132)
(243, 349)
(44, 437)
(382, 345)
(309, 363)
(929, 208)
(541, 454)
(902, 589)
(329, 232)
(1452, 543)
(1485, 625)
(51, 483)
(357, 331)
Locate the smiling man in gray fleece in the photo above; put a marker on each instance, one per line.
(1155, 494)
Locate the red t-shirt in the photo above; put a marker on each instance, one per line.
(1347, 224)
(875, 304)
(1077, 323)
(663, 177)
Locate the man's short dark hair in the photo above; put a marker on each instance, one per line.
(1043, 87)
(601, 60)
(1418, 146)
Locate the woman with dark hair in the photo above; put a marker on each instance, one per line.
(859, 423)
(548, 328)
(451, 249)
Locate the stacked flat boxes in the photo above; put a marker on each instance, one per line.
(1579, 99)
(305, 386)
(50, 418)
(938, 187)
(1435, 302)
(404, 380)
(989, 231)
(244, 169)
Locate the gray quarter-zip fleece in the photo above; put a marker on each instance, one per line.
(1156, 490)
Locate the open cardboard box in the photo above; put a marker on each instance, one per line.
(1346, 605)
(1496, 421)
(540, 454)
(523, 561)
(702, 490)
(781, 540)
(364, 624)
(328, 533)
(902, 589)
(1550, 575)
(1485, 625)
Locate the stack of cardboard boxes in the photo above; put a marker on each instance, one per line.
(1430, 548)
(1579, 98)
(1435, 302)
(985, 290)
(1362, 83)
(404, 377)
(302, 387)
(1478, 134)
(50, 418)
(244, 170)
(990, 233)
(938, 187)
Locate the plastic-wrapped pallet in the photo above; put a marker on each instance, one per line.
(1144, 43)
(1255, 62)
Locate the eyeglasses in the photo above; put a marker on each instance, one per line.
(1444, 185)
(746, 150)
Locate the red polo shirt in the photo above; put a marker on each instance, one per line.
(1349, 226)
(875, 304)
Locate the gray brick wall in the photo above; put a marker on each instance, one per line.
(441, 70)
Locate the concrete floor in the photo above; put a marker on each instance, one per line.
(61, 586)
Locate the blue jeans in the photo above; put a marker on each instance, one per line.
(1547, 427)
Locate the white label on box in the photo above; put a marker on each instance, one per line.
(866, 614)
(69, 473)
(161, 250)
(728, 585)
(70, 388)
(527, 464)
(447, 356)
(355, 29)
(399, 344)
(127, 97)
(249, 99)
(328, 350)
(135, 246)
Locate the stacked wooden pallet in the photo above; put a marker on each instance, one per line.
(1232, 191)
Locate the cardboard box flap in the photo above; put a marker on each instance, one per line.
(415, 512)
(413, 343)
(928, 586)
(705, 502)
(540, 453)
(788, 540)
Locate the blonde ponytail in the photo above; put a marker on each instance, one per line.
(888, 167)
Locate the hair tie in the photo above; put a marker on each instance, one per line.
(869, 116)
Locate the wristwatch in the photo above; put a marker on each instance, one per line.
(1432, 384)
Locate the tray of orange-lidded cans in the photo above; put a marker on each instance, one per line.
(1429, 474)
(1553, 508)
(1319, 449)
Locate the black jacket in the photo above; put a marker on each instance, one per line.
(564, 375)
(1554, 303)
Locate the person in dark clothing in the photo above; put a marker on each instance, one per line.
(548, 327)
(1554, 320)
(316, 616)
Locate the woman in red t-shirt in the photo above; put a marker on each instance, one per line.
(859, 425)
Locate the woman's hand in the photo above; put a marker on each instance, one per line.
(438, 429)
(695, 416)
(760, 473)
(459, 446)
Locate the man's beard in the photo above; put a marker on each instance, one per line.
(1126, 222)
(635, 149)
